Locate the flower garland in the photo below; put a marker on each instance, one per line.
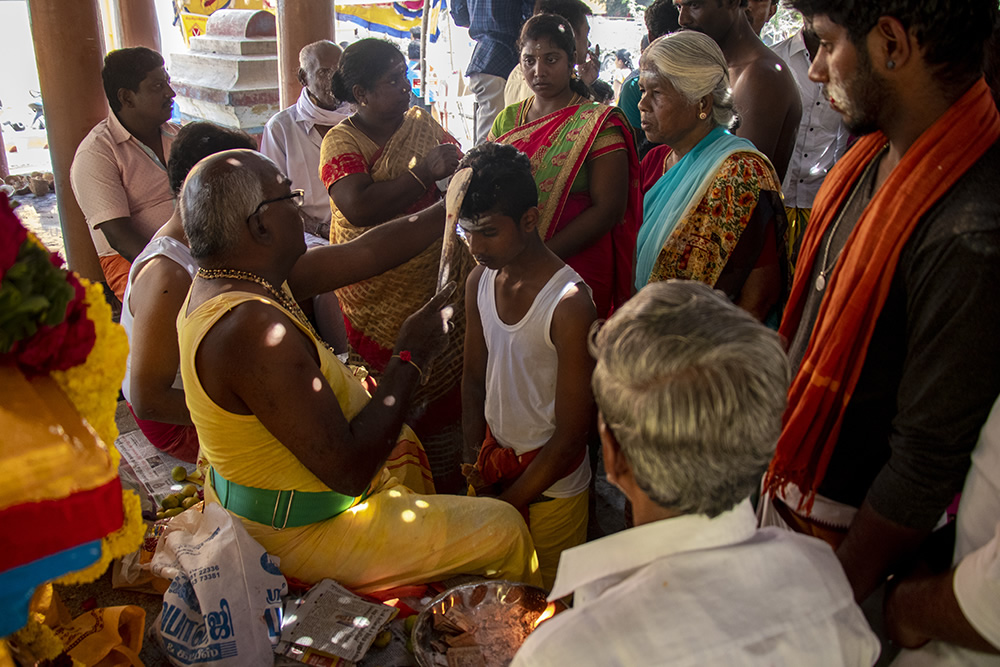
(54, 322)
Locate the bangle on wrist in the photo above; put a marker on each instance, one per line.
(404, 355)
(414, 175)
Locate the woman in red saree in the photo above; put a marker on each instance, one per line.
(583, 158)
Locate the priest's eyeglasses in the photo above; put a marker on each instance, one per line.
(298, 197)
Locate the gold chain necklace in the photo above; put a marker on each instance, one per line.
(282, 297)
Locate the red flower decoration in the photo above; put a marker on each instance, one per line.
(63, 346)
(405, 355)
(12, 235)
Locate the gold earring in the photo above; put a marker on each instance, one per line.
(703, 115)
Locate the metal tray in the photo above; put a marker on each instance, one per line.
(497, 606)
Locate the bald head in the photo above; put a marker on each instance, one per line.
(317, 63)
(220, 193)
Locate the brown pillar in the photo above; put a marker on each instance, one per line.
(69, 51)
(139, 24)
(300, 22)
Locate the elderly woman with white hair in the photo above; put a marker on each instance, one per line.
(712, 210)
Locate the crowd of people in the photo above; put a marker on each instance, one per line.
(761, 289)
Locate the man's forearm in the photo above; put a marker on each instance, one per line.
(873, 545)
(922, 608)
(545, 470)
(379, 249)
(126, 240)
(473, 419)
(165, 406)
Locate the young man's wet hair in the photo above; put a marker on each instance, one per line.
(501, 181)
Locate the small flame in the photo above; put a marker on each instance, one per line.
(549, 612)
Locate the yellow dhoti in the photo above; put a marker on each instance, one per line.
(395, 536)
(557, 525)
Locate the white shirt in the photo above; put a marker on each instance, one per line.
(521, 369)
(977, 553)
(697, 591)
(822, 137)
(291, 139)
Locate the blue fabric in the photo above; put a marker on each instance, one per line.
(495, 26)
(669, 199)
(628, 100)
(18, 584)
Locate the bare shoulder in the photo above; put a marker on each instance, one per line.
(472, 282)
(159, 280)
(253, 330)
(766, 76)
(161, 271)
(576, 307)
(571, 324)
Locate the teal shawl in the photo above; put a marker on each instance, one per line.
(678, 193)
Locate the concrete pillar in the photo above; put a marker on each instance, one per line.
(139, 24)
(300, 22)
(69, 52)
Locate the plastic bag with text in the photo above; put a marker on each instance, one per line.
(223, 606)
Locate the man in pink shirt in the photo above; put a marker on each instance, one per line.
(119, 172)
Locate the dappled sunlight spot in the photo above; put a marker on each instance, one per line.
(234, 162)
(412, 164)
(409, 516)
(275, 334)
(358, 508)
(777, 67)
(534, 562)
(389, 401)
(290, 618)
(413, 218)
(393, 493)
(562, 28)
(422, 504)
(491, 573)
(361, 622)
(317, 384)
(304, 641)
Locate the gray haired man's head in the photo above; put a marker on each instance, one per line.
(220, 193)
(693, 389)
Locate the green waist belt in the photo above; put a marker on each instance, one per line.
(280, 509)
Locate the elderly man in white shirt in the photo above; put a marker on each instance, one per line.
(821, 141)
(691, 390)
(292, 137)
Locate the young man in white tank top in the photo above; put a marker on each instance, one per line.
(526, 398)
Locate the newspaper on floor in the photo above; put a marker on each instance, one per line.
(333, 621)
(145, 465)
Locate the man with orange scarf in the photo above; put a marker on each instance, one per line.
(894, 309)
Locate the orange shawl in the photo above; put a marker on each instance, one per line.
(857, 289)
